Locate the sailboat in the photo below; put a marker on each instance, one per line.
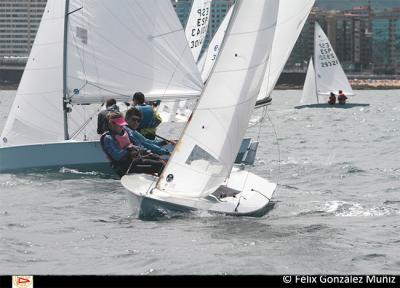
(83, 54)
(199, 174)
(324, 76)
(195, 30)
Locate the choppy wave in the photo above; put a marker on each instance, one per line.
(65, 170)
(352, 209)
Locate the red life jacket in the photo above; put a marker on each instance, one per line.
(123, 141)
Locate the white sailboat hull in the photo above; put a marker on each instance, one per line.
(252, 199)
(85, 156)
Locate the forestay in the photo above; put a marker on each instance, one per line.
(197, 26)
(329, 72)
(309, 95)
(291, 19)
(205, 154)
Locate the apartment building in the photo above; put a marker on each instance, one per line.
(19, 21)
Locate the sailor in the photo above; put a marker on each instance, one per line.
(133, 117)
(342, 97)
(102, 123)
(332, 99)
(125, 157)
(150, 120)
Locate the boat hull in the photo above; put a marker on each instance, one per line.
(148, 203)
(84, 156)
(326, 105)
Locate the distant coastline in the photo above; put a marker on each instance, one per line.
(389, 84)
(356, 84)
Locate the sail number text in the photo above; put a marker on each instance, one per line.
(201, 27)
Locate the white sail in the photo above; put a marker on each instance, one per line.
(137, 45)
(329, 73)
(197, 26)
(36, 115)
(309, 95)
(112, 51)
(207, 60)
(291, 19)
(204, 156)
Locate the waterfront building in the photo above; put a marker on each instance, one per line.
(19, 21)
(364, 40)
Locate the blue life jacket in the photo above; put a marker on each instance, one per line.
(148, 116)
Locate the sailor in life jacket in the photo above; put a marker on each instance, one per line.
(332, 99)
(341, 97)
(161, 147)
(150, 120)
(124, 155)
(102, 123)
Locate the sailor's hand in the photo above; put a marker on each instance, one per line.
(133, 153)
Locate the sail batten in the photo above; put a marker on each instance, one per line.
(207, 150)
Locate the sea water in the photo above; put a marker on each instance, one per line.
(337, 206)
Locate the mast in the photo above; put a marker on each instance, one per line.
(65, 89)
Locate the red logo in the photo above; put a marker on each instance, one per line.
(22, 282)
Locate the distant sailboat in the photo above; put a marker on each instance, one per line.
(83, 54)
(324, 76)
(199, 174)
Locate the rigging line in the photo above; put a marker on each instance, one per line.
(76, 10)
(175, 69)
(261, 122)
(107, 90)
(279, 151)
(258, 138)
(83, 126)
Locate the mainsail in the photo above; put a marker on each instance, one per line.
(209, 57)
(292, 16)
(137, 45)
(197, 26)
(111, 51)
(330, 76)
(291, 19)
(204, 156)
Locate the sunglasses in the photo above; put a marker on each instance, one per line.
(136, 119)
